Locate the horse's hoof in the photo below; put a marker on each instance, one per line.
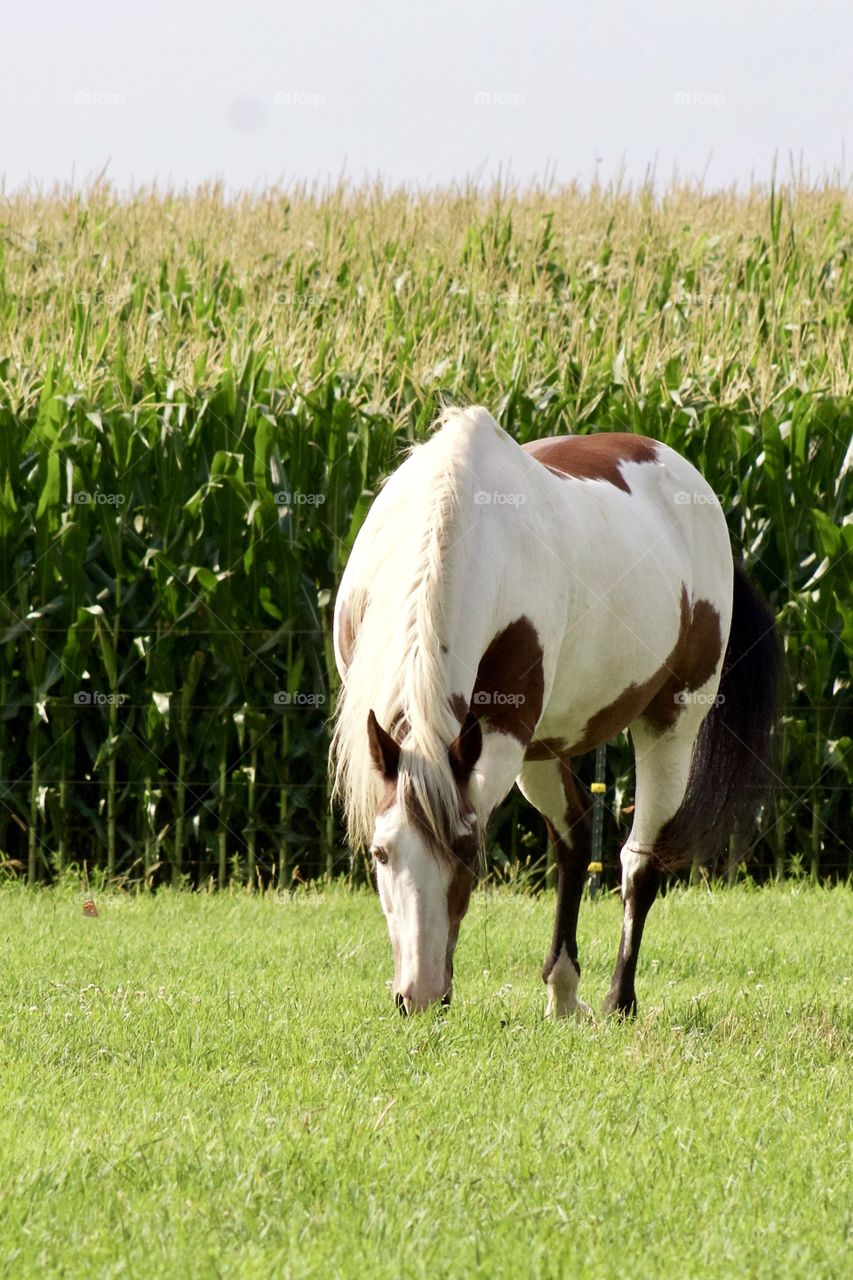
(616, 1007)
(563, 1009)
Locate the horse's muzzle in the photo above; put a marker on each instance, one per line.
(407, 1005)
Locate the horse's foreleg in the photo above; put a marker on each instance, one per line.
(552, 788)
(662, 766)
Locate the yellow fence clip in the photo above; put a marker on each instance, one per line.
(598, 788)
(594, 868)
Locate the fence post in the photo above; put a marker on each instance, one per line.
(598, 789)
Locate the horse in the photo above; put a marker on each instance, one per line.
(506, 609)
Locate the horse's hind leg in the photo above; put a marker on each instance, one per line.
(662, 768)
(551, 787)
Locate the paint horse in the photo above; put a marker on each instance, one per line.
(506, 609)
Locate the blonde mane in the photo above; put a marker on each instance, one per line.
(397, 615)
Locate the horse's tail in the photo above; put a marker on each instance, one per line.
(731, 770)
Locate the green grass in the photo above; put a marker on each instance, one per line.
(216, 1085)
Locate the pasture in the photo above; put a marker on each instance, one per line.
(199, 400)
(217, 1085)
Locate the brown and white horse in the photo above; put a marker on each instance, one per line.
(505, 609)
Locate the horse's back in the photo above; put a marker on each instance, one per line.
(593, 457)
(652, 501)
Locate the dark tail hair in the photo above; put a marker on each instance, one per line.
(731, 771)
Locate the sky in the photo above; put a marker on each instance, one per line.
(257, 93)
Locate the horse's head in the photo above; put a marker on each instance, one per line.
(424, 876)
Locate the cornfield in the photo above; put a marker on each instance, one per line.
(199, 397)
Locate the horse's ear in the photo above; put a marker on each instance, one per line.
(384, 751)
(465, 749)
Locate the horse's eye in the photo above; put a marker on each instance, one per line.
(379, 854)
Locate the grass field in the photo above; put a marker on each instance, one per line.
(216, 1085)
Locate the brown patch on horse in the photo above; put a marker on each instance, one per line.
(691, 662)
(510, 685)
(596, 457)
(694, 664)
(618, 714)
(465, 852)
(657, 692)
(705, 644)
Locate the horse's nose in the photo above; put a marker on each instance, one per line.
(408, 1002)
